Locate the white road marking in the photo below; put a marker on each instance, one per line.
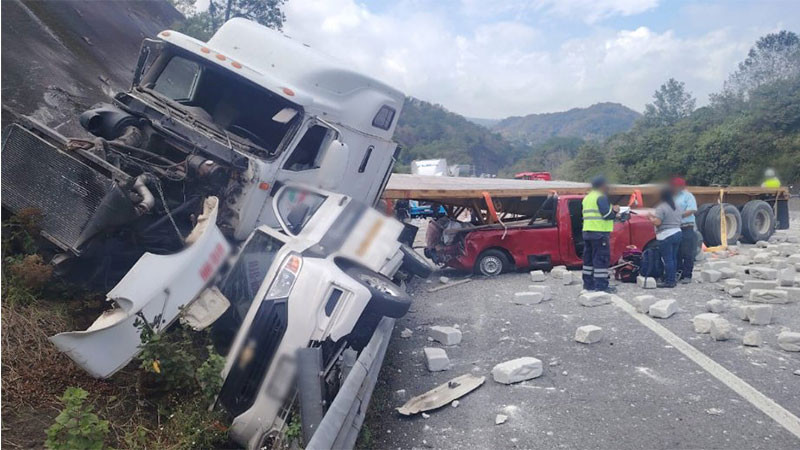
(749, 393)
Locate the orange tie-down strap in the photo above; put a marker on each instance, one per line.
(492, 216)
(636, 199)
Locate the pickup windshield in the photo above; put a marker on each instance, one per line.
(222, 99)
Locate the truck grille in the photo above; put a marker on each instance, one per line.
(37, 175)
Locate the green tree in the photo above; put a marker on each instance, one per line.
(203, 24)
(671, 103)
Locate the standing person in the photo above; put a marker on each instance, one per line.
(771, 179)
(598, 223)
(686, 202)
(667, 219)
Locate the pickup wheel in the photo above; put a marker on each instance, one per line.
(414, 263)
(492, 262)
(758, 221)
(388, 299)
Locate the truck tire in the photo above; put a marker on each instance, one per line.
(699, 239)
(414, 263)
(491, 263)
(388, 299)
(758, 221)
(700, 217)
(711, 228)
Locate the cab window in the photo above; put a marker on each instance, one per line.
(308, 153)
(297, 206)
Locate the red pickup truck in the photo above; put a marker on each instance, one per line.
(553, 236)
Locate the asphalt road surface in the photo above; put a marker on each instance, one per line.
(632, 390)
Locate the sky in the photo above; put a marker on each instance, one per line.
(493, 59)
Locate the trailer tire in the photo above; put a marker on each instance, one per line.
(711, 228)
(700, 217)
(699, 239)
(758, 221)
(414, 263)
(491, 263)
(388, 299)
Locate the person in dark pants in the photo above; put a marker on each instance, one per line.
(667, 220)
(598, 223)
(686, 202)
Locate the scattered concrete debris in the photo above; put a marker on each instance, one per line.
(762, 257)
(406, 333)
(710, 275)
(786, 277)
(797, 372)
(792, 294)
(727, 272)
(451, 284)
(594, 298)
(646, 283)
(538, 276)
(528, 298)
(749, 285)
(544, 290)
(444, 280)
(759, 314)
(763, 273)
(642, 303)
(752, 339)
(558, 271)
(721, 329)
(568, 278)
(702, 322)
(736, 292)
(762, 244)
(400, 395)
(789, 341)
(445, 335)
(769, 296)
(715, 306)
(663, 309)
(500, 419)
(517, 370)
(436, 359)
(455, 403)
(588, 334)
(715, 411)
(442, 394)
(716, 265)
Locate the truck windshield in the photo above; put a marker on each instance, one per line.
(297, 206)
(223, 100)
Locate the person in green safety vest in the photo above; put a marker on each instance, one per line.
(598, 223)
(771, 180)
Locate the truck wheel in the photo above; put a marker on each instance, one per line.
(414, 263)
(758, 221)
(387, 298)
(492, 262)
(711, 228)
(698, 236)
(700, 216)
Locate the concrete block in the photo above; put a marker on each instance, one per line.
(762, 244)
(786, 249)
(538, 276)
(547, 294)
(663, 309)
(721, 329)
(588, 334)
(727, 272)
(445, 335)
(642, 303)
(789, 341)
(792, 294)
(759, 314)
(646, 283)
(406, 333)
(568, 278)
(436, 359)
(558, 271)
(702, 322)
(741, 311)
(500, 419)
(779, 263)
(768, 296)
(594, 298)
(715, 306)
(752, 339)
(786, 276)
(517, 370)
(763, 273)
(749, 285)
(528, 298)
(710, 275)
(736, 292)
(741, 260)
(444, 280)
(716, 264)
(794, 259)
(762, 257)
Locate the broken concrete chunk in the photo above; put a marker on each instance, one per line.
(736, 292)
(716, 265)
(642, 303)
(500, 419)
(763, 273)
(400, 395)
(759, 314)
(768, 296)
(646, 283)
(663, 309)
(444, 280)
(715, 306)
(741, 311)
(538, 276)
(517, 370)
(710, 275)
(702, 322)
(436, 359)
(446, 335)
(752, 339)
(442, 395)
(558, 271)
(794, 259)
(792, 294)
(778, 263)
(528, 298)
(741, 260)
(789, 341)
(406, 333)
(544, 290)
(727, 272)
(594, 298)
(786, 277)
(721, 329)
(786, 249)
(588, 334)
(762, 244)
(749, 285)
(568, 278)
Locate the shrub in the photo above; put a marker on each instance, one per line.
(76, 427)
(209, 374)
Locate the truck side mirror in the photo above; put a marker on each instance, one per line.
(149, 48)
(334, 165)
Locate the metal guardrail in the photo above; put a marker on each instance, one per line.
(341, 424)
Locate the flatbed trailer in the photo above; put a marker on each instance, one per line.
(744, 207)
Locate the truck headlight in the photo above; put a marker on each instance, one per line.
(287, 275)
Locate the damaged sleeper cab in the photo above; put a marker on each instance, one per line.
(324, 282)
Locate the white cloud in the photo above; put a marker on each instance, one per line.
(500, 68)
(589, 11)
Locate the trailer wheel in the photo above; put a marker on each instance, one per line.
(388, 299)
(698, 236)
(491, 263)
(711, 228)
(700, 217)
(758, 221)
(414, 263)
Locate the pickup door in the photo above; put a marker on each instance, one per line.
(570, 220)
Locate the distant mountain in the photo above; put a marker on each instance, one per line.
(596, 122)
(488, 123)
